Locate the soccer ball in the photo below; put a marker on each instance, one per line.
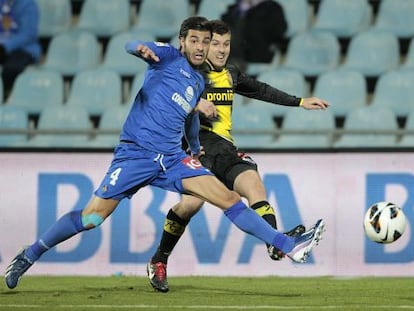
(384, 222)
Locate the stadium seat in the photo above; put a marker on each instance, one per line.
(297, 14)
(248, 117)
(371, 119)
(55, 17)
(396, 16)
(162, 18)
(344, 89)
(34, 89)
(96, 90)
(117, 59)
(254, 69)
(58, 120)
(213, 9)
(394, 90)
(73, 51)
(343, 18)
(112, 120)
(287, 80)
(104, 18)
(13, 118)
(306, 121)
(372, 52)
(136, 84)
(313, 52)
(407, 140)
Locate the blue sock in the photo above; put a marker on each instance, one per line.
(67, 226)
(250, 222)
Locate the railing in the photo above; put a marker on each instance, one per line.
(33, 132)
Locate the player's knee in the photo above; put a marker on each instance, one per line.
(232, 197)
(90, 221)
(188, 208)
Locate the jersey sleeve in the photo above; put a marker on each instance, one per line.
(164, 51)
(252, 88)
(192, 127)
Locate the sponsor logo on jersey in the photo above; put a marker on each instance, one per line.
(220, 96)
(161, 44)
(182, 102)
(185, 73)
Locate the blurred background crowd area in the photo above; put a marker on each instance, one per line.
(357, 54)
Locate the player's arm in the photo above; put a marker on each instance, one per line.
(207, 108)
(192, 127)
(252, 88)
(151, 52)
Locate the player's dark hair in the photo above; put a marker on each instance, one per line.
(194, 23)
(219, 27)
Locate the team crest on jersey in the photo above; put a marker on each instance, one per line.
(189, 93)
(192, 163)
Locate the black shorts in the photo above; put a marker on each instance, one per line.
(223, 159)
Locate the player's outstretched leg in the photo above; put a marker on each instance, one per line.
(17, 267)
(277, 254)
(305, 242)
(157, 275)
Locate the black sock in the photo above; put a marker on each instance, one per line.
(265, 210)
(174, 227)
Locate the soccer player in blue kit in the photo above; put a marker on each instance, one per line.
(150, 153)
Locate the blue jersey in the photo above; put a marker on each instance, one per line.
(150, 151)
(170, 92)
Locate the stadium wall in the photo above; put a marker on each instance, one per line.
(37, 188)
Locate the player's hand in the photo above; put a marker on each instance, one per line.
(314, 103)
(207, 108)
(147, 53)
(197, 156)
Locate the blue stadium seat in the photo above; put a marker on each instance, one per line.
(55, 17)
(298, 119)
(34, 89)
(396, 16)
(313, 52)
(136, 84)
(13, 118)
(248, 117)
(254, 69)
(162, 18)
(290, 81)
(297, 14)
(73, 51)
(112, 120)
(105, 18)
(117, 59)
(407, 140)
(373, 52)
(344, 89)
(343, 18)
(59, 119)
(372, 119)
(96, 90)
(394, 90)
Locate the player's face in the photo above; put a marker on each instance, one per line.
(219, 50)
(195, 46)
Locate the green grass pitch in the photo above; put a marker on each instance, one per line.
(209, 293)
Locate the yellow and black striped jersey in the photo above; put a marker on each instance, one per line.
(220, 87)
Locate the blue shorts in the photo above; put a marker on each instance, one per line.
(134, 167)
